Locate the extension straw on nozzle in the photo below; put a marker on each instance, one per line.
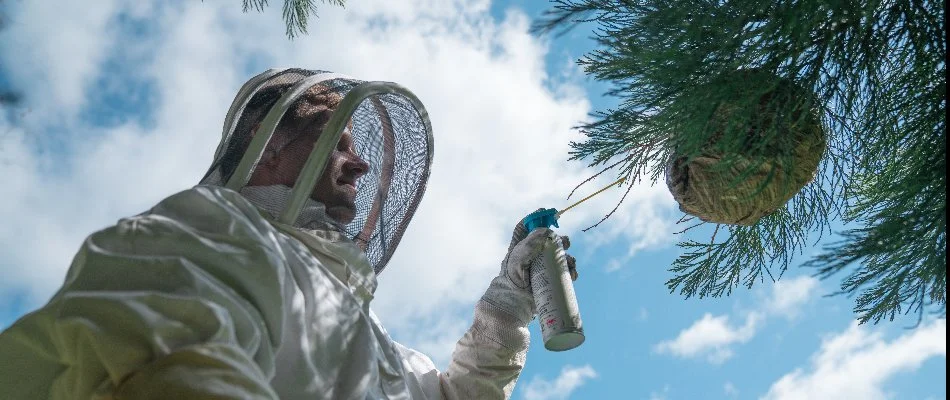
(551, 284)
(548, 217)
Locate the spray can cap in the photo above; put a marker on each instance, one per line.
(544, 218)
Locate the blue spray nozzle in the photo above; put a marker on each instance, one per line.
(544, 218)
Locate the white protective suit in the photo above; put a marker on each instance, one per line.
(206, 296)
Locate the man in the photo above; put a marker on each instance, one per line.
(209, 296)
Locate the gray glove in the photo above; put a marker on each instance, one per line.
(510, 291)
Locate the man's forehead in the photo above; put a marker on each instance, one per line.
(317, 99)
(313, 110)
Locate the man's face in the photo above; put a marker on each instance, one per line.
(291, 145)
(337, 187)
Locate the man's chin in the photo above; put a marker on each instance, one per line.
(342, 214)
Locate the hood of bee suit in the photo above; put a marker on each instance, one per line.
(391, 132)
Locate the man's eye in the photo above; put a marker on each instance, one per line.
(345, 143)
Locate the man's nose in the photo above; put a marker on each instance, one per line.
(355, 165)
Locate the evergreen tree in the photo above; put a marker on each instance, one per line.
(296, 13)
(875, 70)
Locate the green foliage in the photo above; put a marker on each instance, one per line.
(296, 13)
(877, 73)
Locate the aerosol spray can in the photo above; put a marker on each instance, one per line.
(553, 289)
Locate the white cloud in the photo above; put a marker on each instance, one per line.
(711, 337)
(856, 363)
(59, 63)
(730, 390)
(502, 127)
(614, 264)
(560, 388)
(661, 395)
(788, 295)
(437, 335)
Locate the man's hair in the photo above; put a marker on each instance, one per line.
(311, 110)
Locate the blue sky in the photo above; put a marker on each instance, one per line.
(125, 102)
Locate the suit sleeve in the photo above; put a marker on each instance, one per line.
(185, 301)
(485, 364)
(489, 357)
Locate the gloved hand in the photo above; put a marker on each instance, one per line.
(510, 291)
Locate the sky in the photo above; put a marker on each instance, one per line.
(124, 101)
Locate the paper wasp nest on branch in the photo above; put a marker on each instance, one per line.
(760, 142)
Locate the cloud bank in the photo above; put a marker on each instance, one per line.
(855, 364)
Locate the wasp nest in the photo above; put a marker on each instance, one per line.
(764, 144)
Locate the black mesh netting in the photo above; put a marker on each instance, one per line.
(389, 132)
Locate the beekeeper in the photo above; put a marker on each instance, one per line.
(256, 284)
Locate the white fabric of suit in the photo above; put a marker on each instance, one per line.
(205, 297)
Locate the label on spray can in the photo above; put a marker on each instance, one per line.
(554, 297)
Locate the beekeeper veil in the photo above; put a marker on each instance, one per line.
(390, 131)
